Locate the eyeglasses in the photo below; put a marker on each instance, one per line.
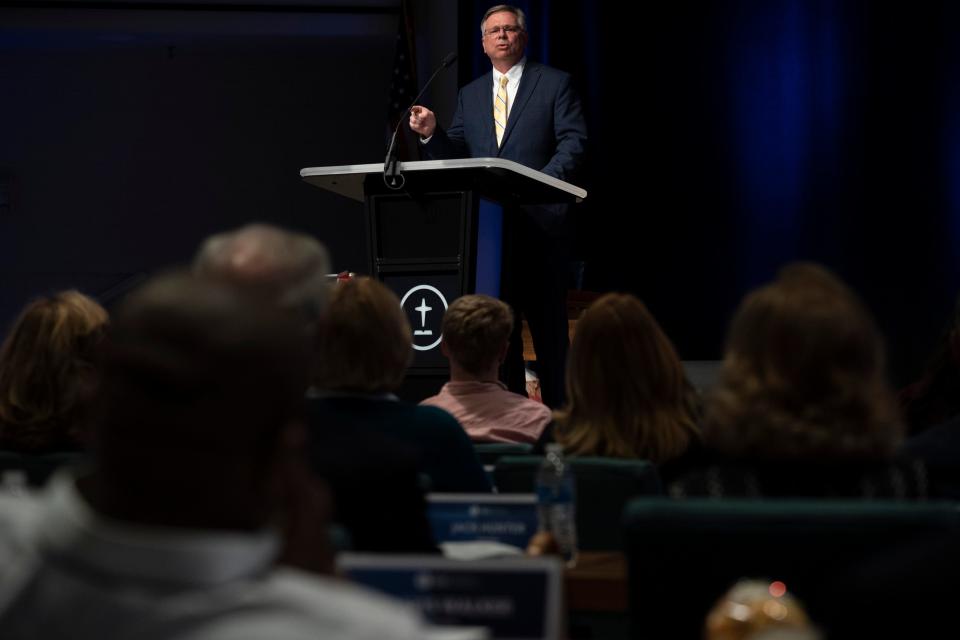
(507, 29)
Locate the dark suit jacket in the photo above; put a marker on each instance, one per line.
(445, 452)
(375, 484)
(545, 131)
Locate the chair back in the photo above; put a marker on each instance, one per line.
(488, 453)
(684, 554)
(604, 485)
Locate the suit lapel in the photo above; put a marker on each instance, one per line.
(485, 97)
(528, 82)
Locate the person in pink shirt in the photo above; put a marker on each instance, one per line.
(476, 333)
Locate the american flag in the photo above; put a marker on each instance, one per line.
(403, 83)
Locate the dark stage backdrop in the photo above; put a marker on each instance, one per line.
(731, 137)
(727, 138)
(131, 130)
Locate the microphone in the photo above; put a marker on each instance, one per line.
(391, 176)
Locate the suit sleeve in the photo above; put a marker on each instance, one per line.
(450, 143)
(570, 130)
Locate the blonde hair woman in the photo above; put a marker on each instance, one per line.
(627, 394)
(365, 343)
(803, 408)
(804, 375)
(46, 367)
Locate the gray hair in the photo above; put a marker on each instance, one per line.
(517, 11)
(289, 268)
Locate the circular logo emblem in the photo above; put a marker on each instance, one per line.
(427, 312)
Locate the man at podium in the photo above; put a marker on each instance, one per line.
(528, 113)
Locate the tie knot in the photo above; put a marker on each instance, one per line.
(503, 82)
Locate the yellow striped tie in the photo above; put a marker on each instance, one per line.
(500, 109)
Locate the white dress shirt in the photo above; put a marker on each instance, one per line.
(66, 572)
(513, 84)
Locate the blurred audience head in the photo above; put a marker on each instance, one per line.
(627, 394)
(757, 609)
(201, 388)
(365, 343)
(47, 370)
(291, 269)
(803, 375)
(476, 331)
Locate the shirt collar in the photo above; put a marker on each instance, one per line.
(474, 386)
(513, 73)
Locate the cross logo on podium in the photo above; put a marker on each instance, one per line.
(426, 333)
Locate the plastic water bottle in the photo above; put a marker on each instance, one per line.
(556, 502)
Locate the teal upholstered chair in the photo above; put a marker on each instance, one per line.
(604, 485)
(684, 554)
(489, 452)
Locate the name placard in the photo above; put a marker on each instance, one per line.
(459, 517)
(515, 598)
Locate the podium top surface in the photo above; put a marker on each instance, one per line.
(536, 187)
